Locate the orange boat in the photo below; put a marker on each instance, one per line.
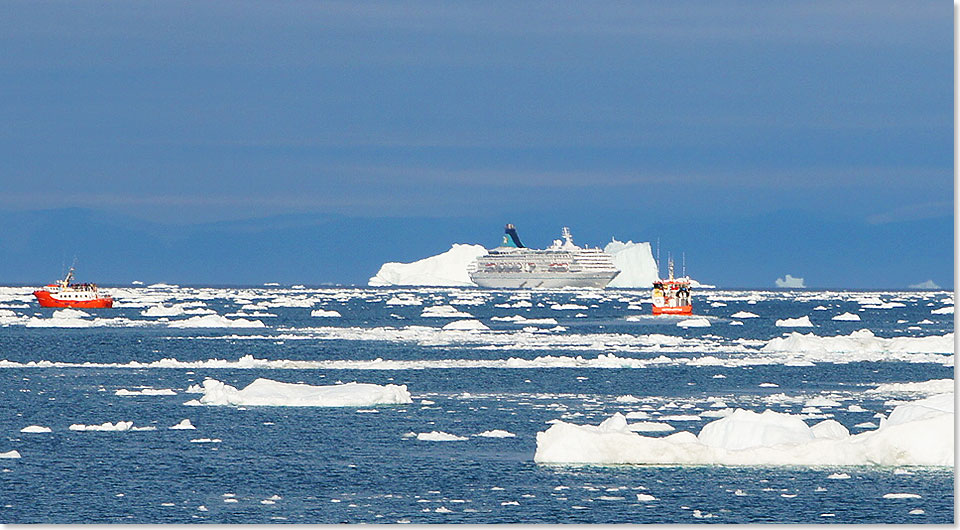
(672, 296)
(66, 294)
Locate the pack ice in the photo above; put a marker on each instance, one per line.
(269, 393)
(918, 433)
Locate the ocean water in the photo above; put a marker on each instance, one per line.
(364, 464)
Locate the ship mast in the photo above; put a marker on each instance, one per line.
(670, 267)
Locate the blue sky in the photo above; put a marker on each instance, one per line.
(637, 120)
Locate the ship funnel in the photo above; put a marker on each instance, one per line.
(511, 231)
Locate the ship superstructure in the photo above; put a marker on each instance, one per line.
(563, 264)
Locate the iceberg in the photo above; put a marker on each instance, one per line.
(446, 269)
(636, 264)
(789, 282)
(918, 433)
(269, 393)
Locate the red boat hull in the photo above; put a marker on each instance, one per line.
(47, 300)
(678, 310)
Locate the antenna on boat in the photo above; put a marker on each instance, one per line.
(683, 264)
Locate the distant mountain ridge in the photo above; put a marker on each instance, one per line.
(37, 245)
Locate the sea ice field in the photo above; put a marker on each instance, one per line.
(291, 404)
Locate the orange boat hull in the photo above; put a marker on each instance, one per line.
(678, 310)
(47, 300)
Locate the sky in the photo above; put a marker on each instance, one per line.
(753, 136)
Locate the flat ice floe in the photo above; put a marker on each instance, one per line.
(934, 386)
(440, 436)
(847, 316)
(326, 313)
(215, 321)
(801, 322)
(744, 314)
(859, 344)
(497, 433)
(10, 454)
(917, 433)
(36, 429)
(443, 311)
(120, 426)
(467, 325)
(146, 392)
(269, 393)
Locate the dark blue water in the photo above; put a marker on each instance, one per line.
(330, 465)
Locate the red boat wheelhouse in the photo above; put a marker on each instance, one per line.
(66, 294)
(672, 296)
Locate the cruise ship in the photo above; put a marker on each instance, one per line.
(563, 264)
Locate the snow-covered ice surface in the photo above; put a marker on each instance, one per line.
(486, 371)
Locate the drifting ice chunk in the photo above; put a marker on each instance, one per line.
(943, 311)
(215, 321)
(859, 341)
(497, 433)
(107, 426)
(847, 316)
(567, 307)
(439, 436)
(694, 323)
(324, 313)
(403, 300)
(744, 314)
(934, 386)
(183, 425)
(266, 392)
(446, 269)
(443, 311)
(466, 325)
(161, 310)
(802, 322)
(36, 429)
(145, 392)
(919, 433)
(10, 454)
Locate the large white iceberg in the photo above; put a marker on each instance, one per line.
(918, 433)
(269, 393)
(447, 269)
(789, 282)
(636, 264)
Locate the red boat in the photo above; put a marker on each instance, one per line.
(66, 294)
(672, 296)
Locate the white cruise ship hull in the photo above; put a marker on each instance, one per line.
(543, 281)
